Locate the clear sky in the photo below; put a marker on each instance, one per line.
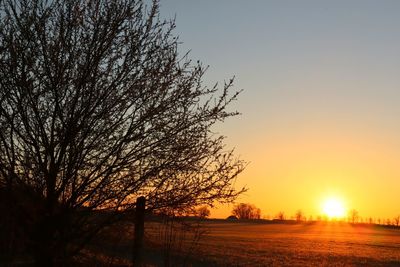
(321, 101)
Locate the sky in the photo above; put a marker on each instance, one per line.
(320, 112)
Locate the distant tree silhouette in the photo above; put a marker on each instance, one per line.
(353, 216)
(203, 212)
(281, 216)
(246, 211)
(299, 216)
(396, 220)
(97, 108)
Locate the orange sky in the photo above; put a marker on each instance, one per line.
(299, 170)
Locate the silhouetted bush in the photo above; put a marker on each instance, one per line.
(246, 211)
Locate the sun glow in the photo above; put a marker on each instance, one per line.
(333, 208)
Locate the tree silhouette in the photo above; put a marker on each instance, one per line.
(246, 211)
(299, 216)
(203, 212)
(353, 216)
(97, 108)
(280, 216)
(396, 220)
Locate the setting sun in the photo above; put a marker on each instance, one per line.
(333, 208)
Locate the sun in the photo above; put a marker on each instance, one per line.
(333, 208)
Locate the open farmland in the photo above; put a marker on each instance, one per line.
(278, 244)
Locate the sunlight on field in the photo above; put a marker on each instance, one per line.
(307, 244)
(312, 244)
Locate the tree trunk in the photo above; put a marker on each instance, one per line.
(139, 231)
(44, 253)
(43, 258)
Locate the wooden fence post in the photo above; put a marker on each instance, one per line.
(139, 231)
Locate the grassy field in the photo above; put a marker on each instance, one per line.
(224, 243)
(236, 243)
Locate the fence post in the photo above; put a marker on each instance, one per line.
(139, 231)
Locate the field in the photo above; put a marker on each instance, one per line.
(224, 243)
(235, 243)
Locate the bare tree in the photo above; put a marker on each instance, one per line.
(246, 211)
(97, 108)
(396, 220)
(299, 216)
(353, 216)
(281, 216)
(203, 212)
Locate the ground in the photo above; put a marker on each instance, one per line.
(252, 243)
(319, 244)
(236, 243)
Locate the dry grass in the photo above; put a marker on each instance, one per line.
(224, 243)
(331, 244)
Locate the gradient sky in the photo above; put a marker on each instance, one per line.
(321, 100)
